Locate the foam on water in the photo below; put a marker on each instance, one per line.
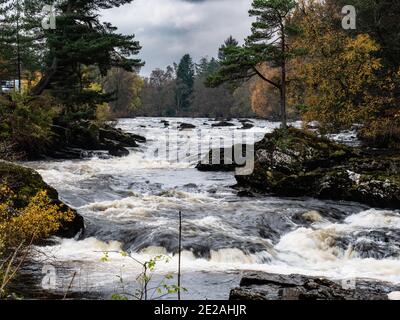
(132, 203)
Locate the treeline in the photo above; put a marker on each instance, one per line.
(52, 77)
(180, 90)
(305, 61)
(298, 61)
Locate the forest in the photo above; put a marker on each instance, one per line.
(75, 107)
(335, 76)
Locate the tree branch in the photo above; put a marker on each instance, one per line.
(266, 79)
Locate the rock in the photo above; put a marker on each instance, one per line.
(265, 286)
(26, 183)
(223, 124)
(243, 121)
(186, 126)
(247, 126)
(218, 162)
(116, 135)
(118, 151)
(245, 194)
(298, 163)
(165, 122)
(78, 138)
(312, 216)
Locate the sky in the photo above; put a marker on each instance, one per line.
(168, 29)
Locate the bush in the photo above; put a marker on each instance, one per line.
(22, 227)
(383, 132)
(25, 123)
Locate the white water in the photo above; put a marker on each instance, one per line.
(132, 204)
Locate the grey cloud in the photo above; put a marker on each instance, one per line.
(167, 29)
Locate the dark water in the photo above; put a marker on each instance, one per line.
(132, 204)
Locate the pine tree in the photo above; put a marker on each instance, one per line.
(18, 42)
(267, 44)
(230, 42)
(80, 40)
(184, 83)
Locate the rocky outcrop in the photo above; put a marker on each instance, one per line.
(71, 142)
(26, 183)
(264, 286)
(221, 160)
(298, 163)
(186, 126)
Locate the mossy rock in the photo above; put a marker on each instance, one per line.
(26, 183)
(298, 163)
(293, 150)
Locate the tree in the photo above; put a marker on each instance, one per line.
(158, 94)
(267, 44)
(210, 102)
(230, 42)
(20, 47)
(336, 80)
(125, 87)
(184, 83)
(379, 19)
(80, 40)
(342, 78)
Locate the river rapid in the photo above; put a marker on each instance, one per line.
(132, 204)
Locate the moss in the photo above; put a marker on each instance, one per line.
(24, 182)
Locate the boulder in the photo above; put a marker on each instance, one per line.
(26, 183)
(216, 160)
(165, 122)
(223, 124)
(186, 126)
(265, 286)
(247, 126)
(298, 163)
(74, 140)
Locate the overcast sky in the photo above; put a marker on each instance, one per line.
(167, 29)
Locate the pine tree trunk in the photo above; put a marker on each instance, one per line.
(283, 98)
(283, 84)
(18, 51)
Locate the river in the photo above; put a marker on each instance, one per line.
(132, 204)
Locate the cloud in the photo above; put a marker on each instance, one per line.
(167, 29)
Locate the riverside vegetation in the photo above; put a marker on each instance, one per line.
(70, 83)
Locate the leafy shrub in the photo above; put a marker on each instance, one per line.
(25, 122)
(22, 227)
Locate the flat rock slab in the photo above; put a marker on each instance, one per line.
(266, 286)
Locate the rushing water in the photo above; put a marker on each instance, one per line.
(132, 204)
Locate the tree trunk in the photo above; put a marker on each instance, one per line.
(283, 99)
(45, 80)
(283, 84)
(18, 51)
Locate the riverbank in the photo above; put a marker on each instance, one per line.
(132, 204)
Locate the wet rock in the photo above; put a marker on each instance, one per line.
(245, 194)
(223, 124)
(297, 163)
(243, 121)
(186, 126)
(26, 183)
(247, 126)
(312, 216)
(72, 141)
(118, 151)
(222, 159)
(165, 123)
(265, 286)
